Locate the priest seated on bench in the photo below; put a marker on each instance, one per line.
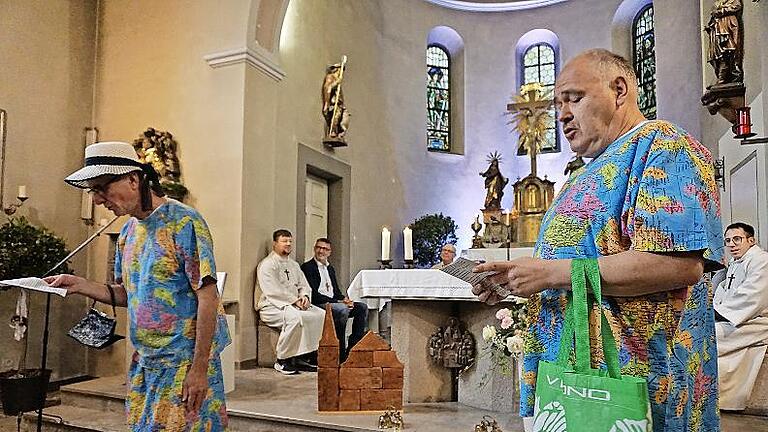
(741, 316)
(283, 299)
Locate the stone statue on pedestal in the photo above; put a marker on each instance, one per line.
(334, 111)
(494, 183)
(726, 41)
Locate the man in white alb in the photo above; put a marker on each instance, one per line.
(741, 316)
(283, 299)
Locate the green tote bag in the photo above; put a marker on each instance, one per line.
(579, 398)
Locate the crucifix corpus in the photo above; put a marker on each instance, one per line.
(531, 116)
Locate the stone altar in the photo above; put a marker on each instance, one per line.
(420, 302)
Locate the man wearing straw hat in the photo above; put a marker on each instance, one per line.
(165, 275)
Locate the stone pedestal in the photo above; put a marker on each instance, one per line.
(480, 386)
(414, 321)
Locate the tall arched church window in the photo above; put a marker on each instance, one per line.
(539, 66)
(644, 60)
(438, 99)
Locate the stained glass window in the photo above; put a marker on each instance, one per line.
(438, 99)
(539, 66)
(644, 60)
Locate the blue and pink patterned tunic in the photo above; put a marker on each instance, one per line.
(651, 190)
(161, 261)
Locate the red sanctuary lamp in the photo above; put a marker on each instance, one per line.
(743, 129)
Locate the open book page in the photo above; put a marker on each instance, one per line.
(462, 269)
(35, 284)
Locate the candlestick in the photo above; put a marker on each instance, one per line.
(507, 217)
(385, 237)
(22, 193)
(408, 243)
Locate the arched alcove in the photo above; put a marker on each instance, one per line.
(534, 37)
(621, 28)
(449, 39)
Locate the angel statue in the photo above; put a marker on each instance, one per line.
(334, 111)
(494, 182)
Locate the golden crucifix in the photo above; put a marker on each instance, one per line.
(531, 118)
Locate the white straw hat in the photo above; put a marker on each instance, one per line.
(105, 158)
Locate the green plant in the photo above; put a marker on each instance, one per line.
(430, 233)
(28, 251)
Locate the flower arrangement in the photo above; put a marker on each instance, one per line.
(505, 342)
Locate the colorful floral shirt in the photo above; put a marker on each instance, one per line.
(651, 190)
(161, 261)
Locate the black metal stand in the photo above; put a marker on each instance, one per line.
(44, 358)
(751, 141)
(385, 264)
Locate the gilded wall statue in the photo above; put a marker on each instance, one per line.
(334, 111)
(494, 183)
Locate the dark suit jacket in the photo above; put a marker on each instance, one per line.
(313, 277)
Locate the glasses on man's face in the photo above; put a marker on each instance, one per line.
(101, 189)
(323, 248)
(735, 240)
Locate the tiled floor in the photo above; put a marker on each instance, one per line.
(264, 392)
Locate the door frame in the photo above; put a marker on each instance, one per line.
(338, 174)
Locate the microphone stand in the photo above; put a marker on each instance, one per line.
(44, 358)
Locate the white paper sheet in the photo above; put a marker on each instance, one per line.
(35, 284)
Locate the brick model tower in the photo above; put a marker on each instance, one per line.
(371, 379)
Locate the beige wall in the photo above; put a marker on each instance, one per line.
(46, 49)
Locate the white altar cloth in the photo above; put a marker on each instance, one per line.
(496, 254)
(376, 287)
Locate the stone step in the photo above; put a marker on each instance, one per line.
(67, 418)
(93, 399)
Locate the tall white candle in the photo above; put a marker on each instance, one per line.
(408, 243)
(385, 236)
(507, 216)
(22, 192)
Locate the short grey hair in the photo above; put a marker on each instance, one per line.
(449, 245)
(610, 61)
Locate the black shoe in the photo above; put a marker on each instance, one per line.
(304, 365)
(285, 367)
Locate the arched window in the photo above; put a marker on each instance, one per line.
(644, 60)
(539, 66)
(438, 99)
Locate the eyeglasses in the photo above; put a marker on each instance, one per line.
(323, 248)
(102, 188)
(736, 240)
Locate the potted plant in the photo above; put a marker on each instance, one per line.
(430, 233)
(26, 250)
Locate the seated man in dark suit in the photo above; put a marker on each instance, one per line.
(325, 289)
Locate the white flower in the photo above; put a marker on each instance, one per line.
(515, 344)
(502, 313)
(489, 332)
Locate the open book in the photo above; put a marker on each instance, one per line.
(35, 284)
(462, 269)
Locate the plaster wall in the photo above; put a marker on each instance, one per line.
(151, 72)
(45, 86)
(716, 130)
